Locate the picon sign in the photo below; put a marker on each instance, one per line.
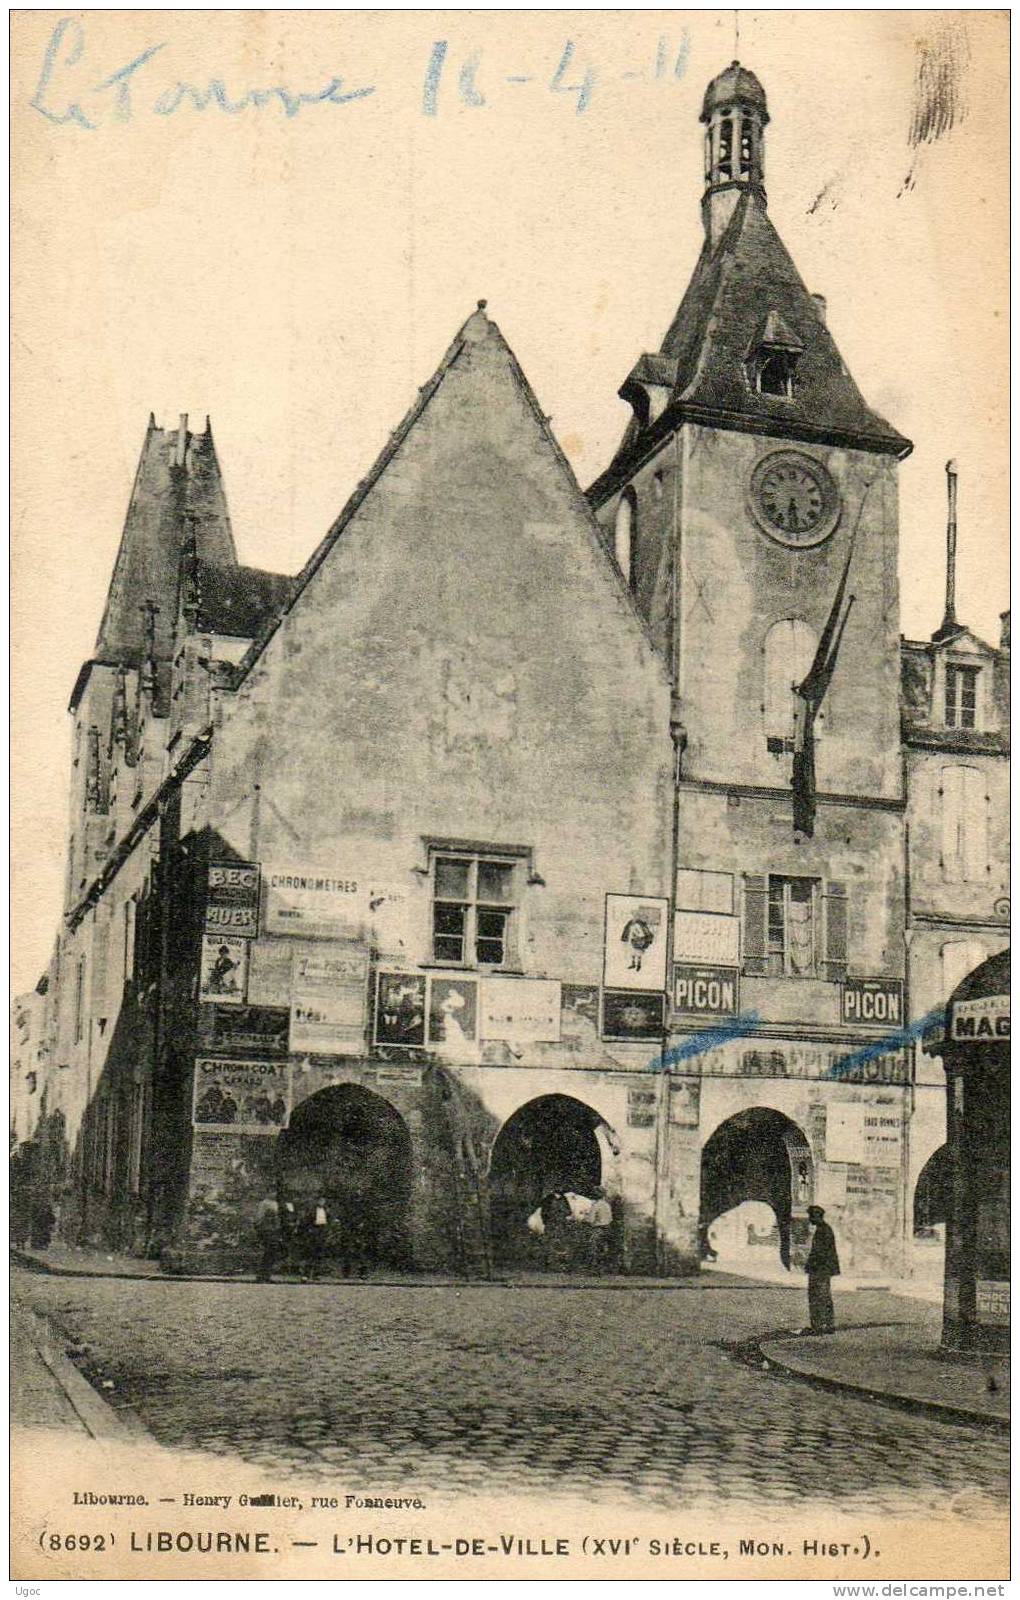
(707, 991)
(872, 1000)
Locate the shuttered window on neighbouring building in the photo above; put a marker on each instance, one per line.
(794, 927)
(963, 803)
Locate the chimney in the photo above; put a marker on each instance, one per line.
(182, 439)
(949, 620)
(821, 308)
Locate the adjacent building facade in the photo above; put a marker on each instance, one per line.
(529, 840)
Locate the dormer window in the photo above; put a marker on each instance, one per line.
(961, 696)
(772, 359)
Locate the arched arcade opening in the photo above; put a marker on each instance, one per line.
(552, 1144)
(352, 1148)
(932, 1194)
(756, 1178)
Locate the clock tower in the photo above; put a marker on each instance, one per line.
(752, 507)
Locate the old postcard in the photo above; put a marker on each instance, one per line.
(510, 790)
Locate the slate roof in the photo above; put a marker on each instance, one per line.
(741, 290)
(238, 602)
(168, 500)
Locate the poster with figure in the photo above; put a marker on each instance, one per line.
(400, 1009)
(240, 1096)
(462, 462)
(224, 970)
(453, 1013)
(635, 942)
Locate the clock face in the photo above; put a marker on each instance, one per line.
(794, 499)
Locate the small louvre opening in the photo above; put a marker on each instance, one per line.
(774, 373)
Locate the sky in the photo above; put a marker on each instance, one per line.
(295, 264)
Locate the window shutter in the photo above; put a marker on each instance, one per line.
(975, 826)
(835, 931)
(951, 794)
(756, 900)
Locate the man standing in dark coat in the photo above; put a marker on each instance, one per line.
(821, 1266)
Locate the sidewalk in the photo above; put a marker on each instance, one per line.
(900, 1364)
(48, 1391)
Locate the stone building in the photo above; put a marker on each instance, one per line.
(955, 701)
(524, 840)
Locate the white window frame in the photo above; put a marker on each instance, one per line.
(951, 668)
(817, 931)
(511, 937)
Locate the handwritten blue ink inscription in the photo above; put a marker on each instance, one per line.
(746, 1025)
(72, 92)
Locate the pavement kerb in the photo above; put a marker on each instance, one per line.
(622, 1284)
(700, 1282)
(98, 1417)
(772, 1350)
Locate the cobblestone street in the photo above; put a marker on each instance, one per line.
(605, 1393)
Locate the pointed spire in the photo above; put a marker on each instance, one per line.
(178, 477)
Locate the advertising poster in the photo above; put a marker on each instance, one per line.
(240, 1096)
(247, 1030)
(629, 1015)
(706, 991)
(579, 1013)
(328, 1009)
(706, 937)
(519, 1010)
(400, 1010)
(224, 970)
(311, 903)
(635, 945)
(469, 468)
(232, 901)
(453, 1012)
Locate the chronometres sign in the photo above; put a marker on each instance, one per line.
(706, 991)
(240, 1096)
(232, 899)
(872, 1000)
(315, 903)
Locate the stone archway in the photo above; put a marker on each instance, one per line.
(352, 1147)
(932, 1198)
(756, 1159)
(551, 1143)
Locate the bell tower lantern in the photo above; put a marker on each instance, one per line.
(734, 113)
